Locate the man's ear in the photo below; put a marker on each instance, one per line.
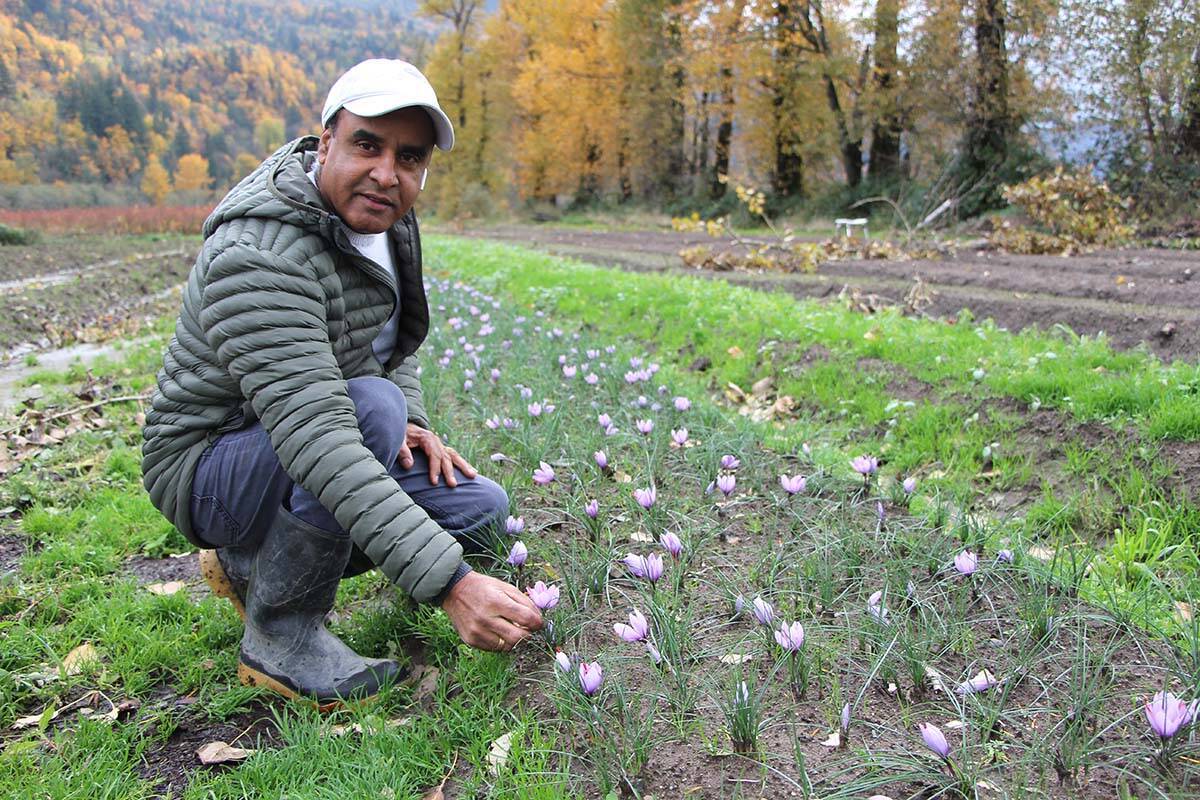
(323, 145)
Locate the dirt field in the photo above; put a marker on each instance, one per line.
(1134, 296)
(76, 288)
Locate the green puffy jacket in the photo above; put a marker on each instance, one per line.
(278, 313)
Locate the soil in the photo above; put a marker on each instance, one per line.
(1133, 296)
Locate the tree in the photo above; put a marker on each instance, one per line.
(268, 134)
(192, 173)
(986, 143)
(885, 135)
(156, 183)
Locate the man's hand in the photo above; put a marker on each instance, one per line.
(490, 614)
(442, 459)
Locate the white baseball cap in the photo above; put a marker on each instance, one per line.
(379, 86)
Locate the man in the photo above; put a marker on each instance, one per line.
(288, 432)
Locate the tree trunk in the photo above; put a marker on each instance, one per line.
(990, 125)
(788, 178)
(885, 136)
(851, 148)
(1189, 134)
(716, 188)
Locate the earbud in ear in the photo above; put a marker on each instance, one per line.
(424, 176)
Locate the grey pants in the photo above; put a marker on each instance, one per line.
(240, 484)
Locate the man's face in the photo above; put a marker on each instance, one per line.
(371, 166)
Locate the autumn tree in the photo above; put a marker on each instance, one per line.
(156, 183)
(192, 173)
(884, 159)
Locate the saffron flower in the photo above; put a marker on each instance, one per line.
(739, 605)
(671, 543)
(611, 430)
(966, 563)
(682, 404)
(605, 420)
(493, 423)
(636, 631)
(764, 613)
(543, 596)
(865, 465)
(1166, 714)
(635, 564)
(875, 607)
(569, 371)
(601, 459)
(514, 525)
(644, 426)
(909, 485)
(935, 740)
(592, 509)
(652, 651)
(726, 483)
(563, 662)
(544, 474)
(646, 497)
(590, 676)
(793, 485)
(982, 681)
(790, 637)
(1005, 556)
(680, 436)
(654, 567)
(518, 554)
(591, 379)
(730, 462)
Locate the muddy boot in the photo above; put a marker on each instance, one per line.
(227, 573)
(286, 647)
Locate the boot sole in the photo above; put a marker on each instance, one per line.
(218, 581)
(249, 676)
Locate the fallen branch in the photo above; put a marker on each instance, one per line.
(76, 410)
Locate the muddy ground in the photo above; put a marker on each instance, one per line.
(1134, 296)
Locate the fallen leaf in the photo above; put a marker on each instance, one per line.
(955, 725)
(622, 477)
(427, 681)
(735, 658)
(79, 658)
(735, 351)
(935, 679)
(1041, 553)
(640, 536)
(434, 794)
(1183, 611)
(169, 588)
(763, 387)
(498, 754)
(834, 740)
(222, 753)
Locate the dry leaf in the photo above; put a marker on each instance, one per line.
(834, 740)
(434, 794)
(1041, 553)
(872, 334)
(79, 658)
(935, 679)
(222, 753)
(735, 658)
(955, 724)
(623, 477)
(427, 681)
(640, 536)
(735, 351)
(28, 722)
(498, 754)
(1183, 611)
(735, 393)
(763, 387)
(169, 588)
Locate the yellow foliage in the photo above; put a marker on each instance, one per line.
(1076, 209)
(192, 173)
(156, 183)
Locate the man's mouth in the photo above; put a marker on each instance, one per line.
(377, 200)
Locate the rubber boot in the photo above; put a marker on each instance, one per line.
(286, 647)
(227, 573)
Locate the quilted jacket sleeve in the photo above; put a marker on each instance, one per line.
(405, 376)
(264, 316)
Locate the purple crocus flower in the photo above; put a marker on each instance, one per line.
(493, 423)
(543, 596)
(671, 543)
(1167, 713)
(646, 497)
(563, 661)
(910, 485)
(680, 436)
(764, 613)
(935, 740)
(726, 483)
(982, 681)
(514, 525)
(543, 474)
(636, 631)
(535, 409)
(590, 676)
(730, 462)
(654, 567)
(652, 651)
(875, 607)
(591, 379)
(682, 404)
(880, 512)
(790, 637)
(1005, 556)
(865, 465)
(569, 371)
(635, 564)
(605, 420)
(644, 426)
(518, 554)
(601, 459)
(793, 485)
(611, 430)
(739, 605)
(592, 509)
(966, 563)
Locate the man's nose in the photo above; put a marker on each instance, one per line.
(384, 173)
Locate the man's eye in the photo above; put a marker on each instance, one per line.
(366, 146)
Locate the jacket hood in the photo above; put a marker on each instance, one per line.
(278, 189)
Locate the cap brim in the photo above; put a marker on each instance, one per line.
(378, 106)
